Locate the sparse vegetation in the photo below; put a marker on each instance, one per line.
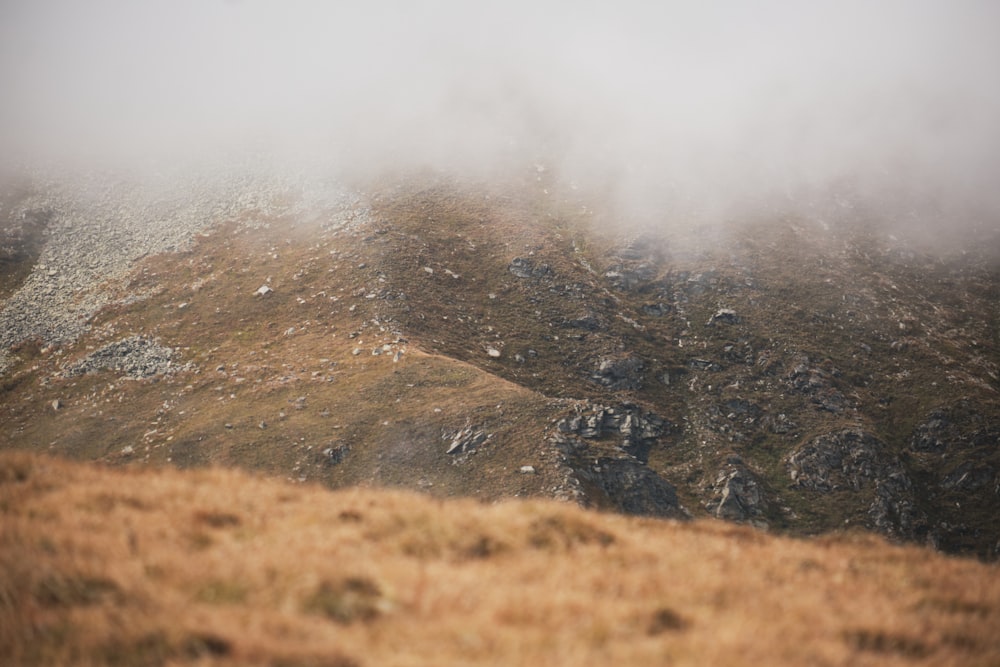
(493, 342)
(97, 567)
(436, 307)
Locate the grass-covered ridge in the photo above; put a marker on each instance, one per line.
(103, 566)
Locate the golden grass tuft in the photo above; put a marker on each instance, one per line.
(213, 567)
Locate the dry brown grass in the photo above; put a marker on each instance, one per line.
(119, 567)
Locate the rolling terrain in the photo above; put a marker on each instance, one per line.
(799, 373)
(184, 373)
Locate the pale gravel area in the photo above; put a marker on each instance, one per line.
(101, 226)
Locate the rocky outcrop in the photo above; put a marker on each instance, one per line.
(619, 373)
(625, 277)
(635, 432)
(23, 234)
(848, 459)
(953, 428)
(724, 316)
(633, 488)
(736, 494)
(856, 461)
(604, 451)
(819, 384)
(586, 321)
(523, 267)
(636, 264)
(970, 477)
(466, 439)
(892, 511)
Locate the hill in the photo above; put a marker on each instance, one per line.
(102, 566)
(799, 372)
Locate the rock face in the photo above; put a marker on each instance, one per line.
(135, 357)
(957, 427)
(619, 373)
(818, 383)
(465, 440)
(605, 451)
(736, 494)
(636, 432)
(635, 489)
(969, 476)
(848, 459)
(855, 460)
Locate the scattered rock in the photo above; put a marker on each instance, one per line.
(96, 227)
(528, 470)
(136, 357)
(855, 460)
(523, 267)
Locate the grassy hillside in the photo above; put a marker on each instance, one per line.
(215, 567)
(797, 373)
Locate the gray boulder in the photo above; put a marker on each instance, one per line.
(736, 494)
(619, 373)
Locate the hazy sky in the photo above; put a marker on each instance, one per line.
(691, 102)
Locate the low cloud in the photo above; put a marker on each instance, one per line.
(698, 108)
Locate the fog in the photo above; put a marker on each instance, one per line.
(698, 108)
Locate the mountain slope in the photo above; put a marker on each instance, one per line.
(801, 373)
